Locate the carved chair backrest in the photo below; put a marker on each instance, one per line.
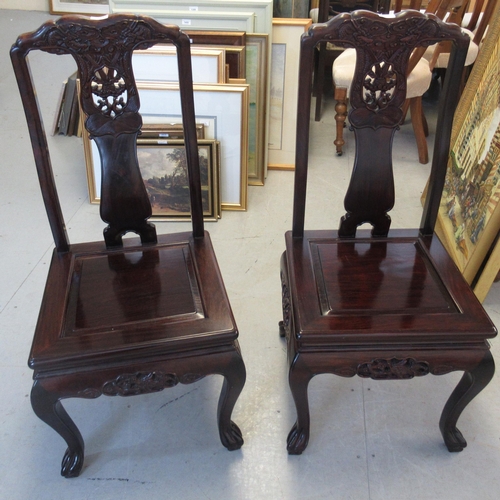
(378, 92)
(109, 98)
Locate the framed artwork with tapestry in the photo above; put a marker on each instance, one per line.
(469, 214)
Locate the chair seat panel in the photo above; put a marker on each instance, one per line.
(126, 287)
(161, 298)
(376, 277)
(398, 289)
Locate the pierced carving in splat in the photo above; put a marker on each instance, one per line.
(109, 92)
(379, 86)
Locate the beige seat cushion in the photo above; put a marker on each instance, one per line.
(343, 71)
(313, 14)
(444, 57)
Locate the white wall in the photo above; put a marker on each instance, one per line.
(42, 5)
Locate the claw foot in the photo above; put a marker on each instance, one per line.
(297, 440)
(282, 329)
(454, 440)
(231, 437)
(72, 463)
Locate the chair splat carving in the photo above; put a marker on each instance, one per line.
(378, 94)
(110, 101)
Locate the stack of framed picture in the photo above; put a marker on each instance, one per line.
(213, 22)
(469, 216)
(235, 62)
(222, 119)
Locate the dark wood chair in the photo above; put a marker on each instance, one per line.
(132, 316)
(390, 304)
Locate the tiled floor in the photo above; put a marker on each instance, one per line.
(369, 440)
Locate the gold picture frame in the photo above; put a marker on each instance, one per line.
(227, 106)
(159, 63)
(283, 99)
(209, 165)
(469, 215)
(257, 78)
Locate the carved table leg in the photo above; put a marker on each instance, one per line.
(471, 384)
(234, 380)
(48, 408)
(298, 437)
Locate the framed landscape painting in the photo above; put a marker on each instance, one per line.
(469, 214)
(163, 167)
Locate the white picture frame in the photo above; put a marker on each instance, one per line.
(159, 64)
(224, 105)
(88, 7)
(284, 85)
(262, 9)
(195, 20)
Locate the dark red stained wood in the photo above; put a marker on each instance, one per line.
(390, 304)
(133, 317)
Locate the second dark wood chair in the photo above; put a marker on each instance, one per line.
(390, 304)
(132, 316)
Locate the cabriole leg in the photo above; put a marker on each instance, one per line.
(471, 384)
(48, 408)
(298, 437)
(234, 380)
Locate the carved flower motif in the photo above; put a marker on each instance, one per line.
(379, 85)
(393, 369)
(109, 91)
